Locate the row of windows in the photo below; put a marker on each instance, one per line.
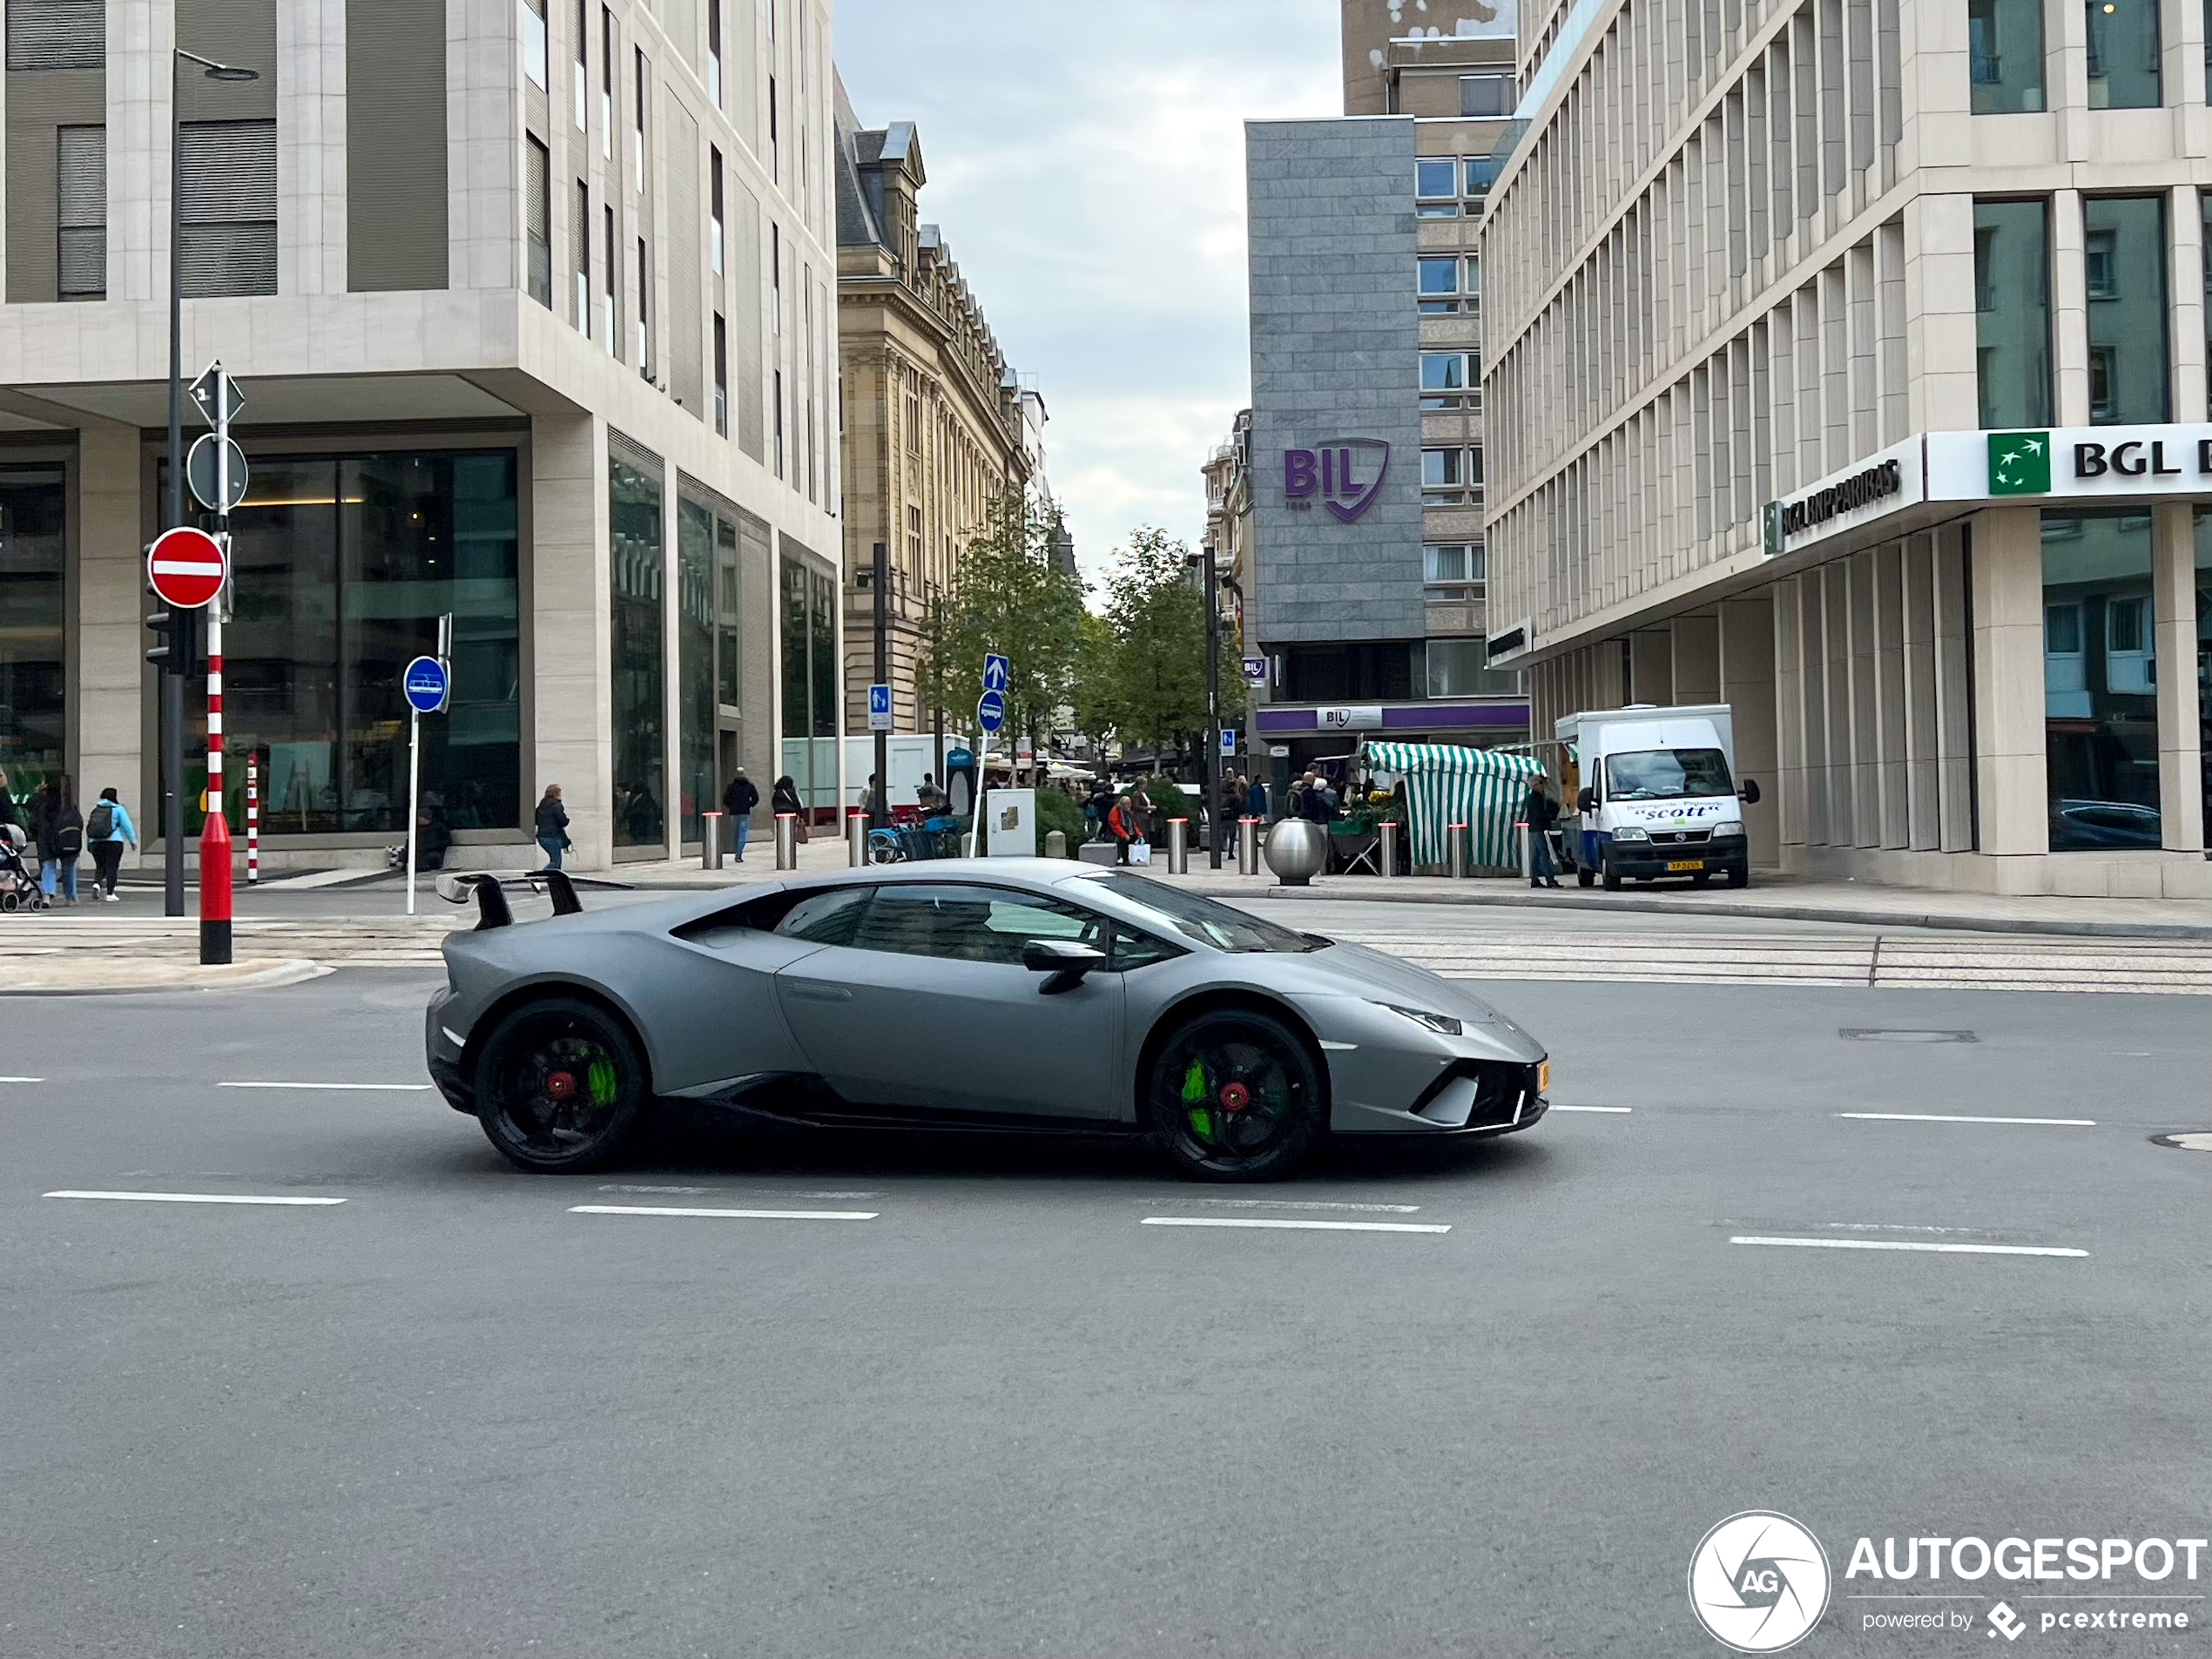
(2006, 63)
(1446, 187)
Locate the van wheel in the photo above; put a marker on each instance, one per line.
(1586, 878)
(1739, 878)
(1612, 878)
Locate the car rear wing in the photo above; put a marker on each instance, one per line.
(492, 908)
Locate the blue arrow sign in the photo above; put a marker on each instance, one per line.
(995, 672)
(990, 709)
(426, 684)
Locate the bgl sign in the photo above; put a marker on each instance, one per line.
(1345, 473)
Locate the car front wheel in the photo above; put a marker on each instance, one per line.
(560, 1086)
(1235, 1095)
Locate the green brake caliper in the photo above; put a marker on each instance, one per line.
(600, 1081)
(1194, 1092)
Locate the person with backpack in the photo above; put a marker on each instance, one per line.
(109, 830)
(60, 829)
(739, 800)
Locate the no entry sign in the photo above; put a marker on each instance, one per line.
(185, 567)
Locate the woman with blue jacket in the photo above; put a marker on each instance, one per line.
(108, 830)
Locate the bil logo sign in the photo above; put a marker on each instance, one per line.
(1347, 474)
(1759, 1582)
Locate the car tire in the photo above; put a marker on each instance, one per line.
(1612, 877)
(560, 1086)
(1235, 1094)
(1739, 878)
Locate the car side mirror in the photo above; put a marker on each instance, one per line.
(1751, 792)
(1064, 960)
(1586, 801)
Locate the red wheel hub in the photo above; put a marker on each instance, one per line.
(560, 1085)
(1235, 1097)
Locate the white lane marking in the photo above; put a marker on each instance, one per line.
(198, 1198)
(743, 1215)
(1911, 1243)
(1593, 1108)
(1310, 1203)
(1937, 1117)
(22, 1080)
(410, 1089)
(1312, 1226)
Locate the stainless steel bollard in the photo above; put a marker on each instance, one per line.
(786, 841)
(710, 840)
(1178, 846)
(1248, 846)
(1457, 835)
(1389, 843)
(856, 839)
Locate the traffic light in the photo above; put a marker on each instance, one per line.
(176, 634)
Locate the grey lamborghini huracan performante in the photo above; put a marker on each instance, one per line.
(1009, 993)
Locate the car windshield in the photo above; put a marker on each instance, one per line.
(1667, 774)
(1175, 911)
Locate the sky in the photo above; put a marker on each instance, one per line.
(1087, 164)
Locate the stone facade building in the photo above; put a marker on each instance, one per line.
(1847, 362)
(529, 303)
(936, 424)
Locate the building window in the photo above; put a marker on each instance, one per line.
(714, 209)
(533, 49)
(33, 680)
(714, 52)
(1461, 668)
(580, 236)
(1453, 572)
(1380, 670)
(583, 68)
(2004, 55)
(638, 126)
(2013, 313)
(721, 377)
(607, 85)
(644, 333)
(80, 197)
(610, 335)
(1438, 282)
(1448, 379)
(1451, 477)
(2127, 309)
(2204, 646)
(2099, 691)
(779, 423)
(228, 208)
(638, 653)
(698, 788)
(811, 674)
(538, 204)
(1486, 95)
(1481, 172)
(1436, 188)
(2123, 54)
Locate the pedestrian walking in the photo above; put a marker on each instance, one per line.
(1231, 808)
(739, 800)
(553, 826)
(109, 830)
(1540, 812)
(1121, 824)
(59, 828)
(1256, 800)
(782, 799)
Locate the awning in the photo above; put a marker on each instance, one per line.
(1445, 784)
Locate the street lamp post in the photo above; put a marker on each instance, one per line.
(179, 661)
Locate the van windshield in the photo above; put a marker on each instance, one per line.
(1667, 774)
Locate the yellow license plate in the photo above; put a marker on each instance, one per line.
(1686, 864)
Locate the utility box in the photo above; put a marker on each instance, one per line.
(1010, 823)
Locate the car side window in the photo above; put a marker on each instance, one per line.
(1133, 950)
(969, 924)
(826, 918)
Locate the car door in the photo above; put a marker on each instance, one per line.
(928, 1007)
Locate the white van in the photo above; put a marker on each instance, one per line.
(1659, 795)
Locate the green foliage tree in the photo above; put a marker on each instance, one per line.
(1156, 690)
(1007, 595)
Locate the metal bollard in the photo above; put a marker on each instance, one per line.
(710, 840)
(1457, 835)
(1178, 846)
(1389, 843)
(786, 841)
(1248, 846)
(856, 839)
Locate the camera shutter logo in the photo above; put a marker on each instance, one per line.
(1759, 1582)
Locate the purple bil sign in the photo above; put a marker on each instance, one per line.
(1346, 472)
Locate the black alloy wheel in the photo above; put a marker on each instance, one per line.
(559, 1086)
(1236, 1095)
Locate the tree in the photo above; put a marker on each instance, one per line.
(1156, 694)
(1008, 594)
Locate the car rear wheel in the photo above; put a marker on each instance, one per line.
(1235, 1096)
(559, 1086)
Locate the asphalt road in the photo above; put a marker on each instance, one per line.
(1004, 1416)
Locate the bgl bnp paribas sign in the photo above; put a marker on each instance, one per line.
(1344, 475)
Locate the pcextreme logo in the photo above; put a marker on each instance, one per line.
(2019, 463)
(1759, 1582)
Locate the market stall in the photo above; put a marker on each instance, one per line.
(1445, 785)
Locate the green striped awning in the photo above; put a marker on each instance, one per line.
(1481, 788)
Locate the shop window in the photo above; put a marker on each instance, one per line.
(2101, 702)
(638, 652)
(1461, 668)
(33, 684)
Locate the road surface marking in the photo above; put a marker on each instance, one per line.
(1305, 1203)
(743, 1215)
(199, 1197)
(411, 1089)
(1593, 1108)
(1314, 1226)
(1937, 1117)
(22, 1080)
(1905, 1244)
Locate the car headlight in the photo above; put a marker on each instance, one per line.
(1733, 826)
(1631, 832)
(1446, 1024)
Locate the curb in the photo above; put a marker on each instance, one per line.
(292, 971)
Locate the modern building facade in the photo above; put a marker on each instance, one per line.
(1847, 362)
(1362, 459)
(530, 306)
(936, 424)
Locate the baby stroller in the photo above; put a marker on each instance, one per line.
(19, 888)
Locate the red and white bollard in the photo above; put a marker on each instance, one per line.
(215, 834)
(253, 820)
